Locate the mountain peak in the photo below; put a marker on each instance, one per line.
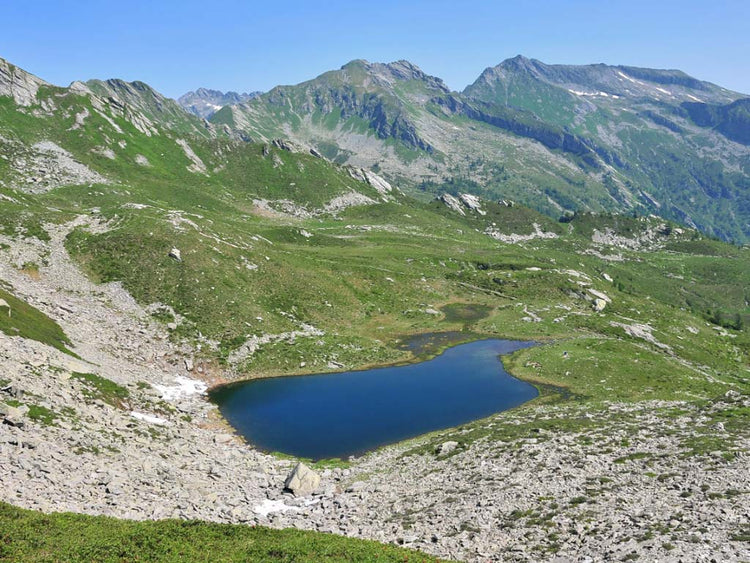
(356, 63)
(670, 86)
(400, 70)
(405, 67)
(119, 88)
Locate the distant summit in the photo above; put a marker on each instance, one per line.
(204, 102)
(600, 79)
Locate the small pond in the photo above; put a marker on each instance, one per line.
(342, 414)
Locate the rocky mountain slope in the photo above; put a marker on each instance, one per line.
(140, 264)
(204, 102)
(150, 104)
(555, 137)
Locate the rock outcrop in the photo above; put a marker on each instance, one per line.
(18, 84)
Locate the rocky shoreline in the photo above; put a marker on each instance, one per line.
(619, 487)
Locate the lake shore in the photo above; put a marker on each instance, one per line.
(532, 484)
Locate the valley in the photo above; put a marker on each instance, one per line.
(147, 255)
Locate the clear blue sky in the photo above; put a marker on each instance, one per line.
(231, 45)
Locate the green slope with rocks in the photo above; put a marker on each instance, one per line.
(341, 260)
(223, 259)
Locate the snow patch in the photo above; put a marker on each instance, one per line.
(184, 387)
(149, 418)
(601, 94)
(628, 78)
(269, 506)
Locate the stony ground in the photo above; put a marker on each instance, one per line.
(623, 482)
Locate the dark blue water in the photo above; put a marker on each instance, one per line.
(343, 414)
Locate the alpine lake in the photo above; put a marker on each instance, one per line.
(337, 415)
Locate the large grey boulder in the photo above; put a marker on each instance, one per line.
(302, 481)
(13, 416)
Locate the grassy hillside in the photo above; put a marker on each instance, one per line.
(269, 251)
(323, 271)
(381, 272)
(30, 536)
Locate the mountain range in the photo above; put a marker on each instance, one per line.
(558, 138)
(204, 102)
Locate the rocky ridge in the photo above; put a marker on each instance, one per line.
(18, 84)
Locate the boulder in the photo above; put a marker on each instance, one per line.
(13, 390)
(223, 439)
(175, 253)
(472, 202)
(599, 305)
(302, 481)
(446, 447)
(14, 416)
(600, 295)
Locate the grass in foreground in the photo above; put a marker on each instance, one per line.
(26, 535)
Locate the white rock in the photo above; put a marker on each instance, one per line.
(302, 480)
(600, 295)
(447, 447)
